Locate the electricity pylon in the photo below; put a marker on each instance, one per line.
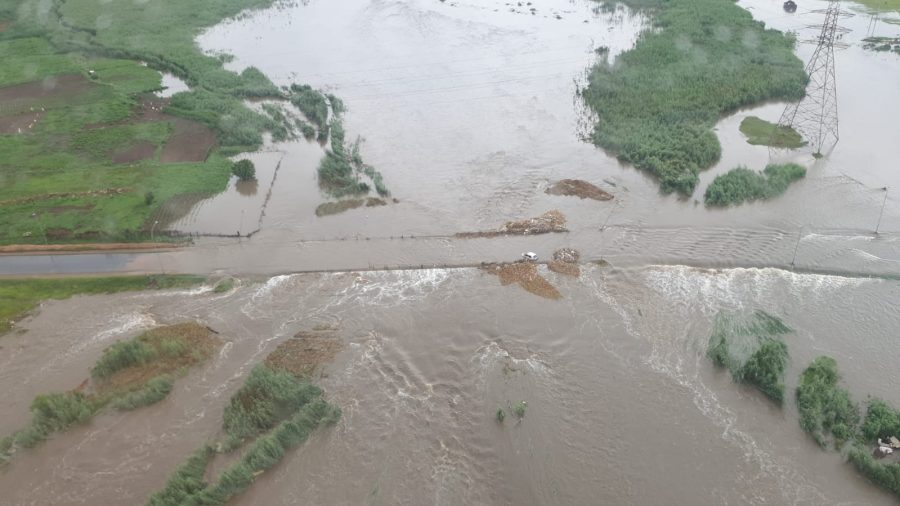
(815, 117)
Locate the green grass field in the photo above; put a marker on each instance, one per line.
(59, 178)
(19, 296)
(658, 102)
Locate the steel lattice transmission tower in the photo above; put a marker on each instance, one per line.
(815, 117)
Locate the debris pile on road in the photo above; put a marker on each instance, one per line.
(525, 274)
(565, 261)
(551, 221)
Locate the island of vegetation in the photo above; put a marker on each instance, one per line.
(657, 103)
(761, 132)
(274, 411)
(130, 374)
(742, 184)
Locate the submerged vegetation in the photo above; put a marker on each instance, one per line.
(341, 169)
(749, 347)
(825, 408)
(130, 374)
(761, 132)
(658, 102)
(742, 184)
(19, 296)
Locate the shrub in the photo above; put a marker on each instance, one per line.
(765, 369)
(824, 407)
(741, 184)
(881, 421)
(121, 355)
(155, 390)
(244, 170)
(519, 409)
(149, 198)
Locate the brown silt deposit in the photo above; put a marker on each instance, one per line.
(578, 188)
(525, 274)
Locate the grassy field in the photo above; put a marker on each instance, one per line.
(19, 296)
(61, 174)
(740, 184)
(881, 5)
(658, 102)
(761, 132)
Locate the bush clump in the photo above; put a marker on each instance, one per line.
(657, 103)
(244, 170)
(742, 184)
(750, 349)
(54, 412)
(121, 355)
(765, 369)
(881, 421)
(825, 408)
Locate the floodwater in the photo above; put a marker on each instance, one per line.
(622, 405)
(468, 110)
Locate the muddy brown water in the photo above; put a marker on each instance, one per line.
(622, 405)
(467, 109)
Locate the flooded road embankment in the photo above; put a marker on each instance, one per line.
(842, 252)
(622, 405)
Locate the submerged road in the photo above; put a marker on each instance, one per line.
(845, 252)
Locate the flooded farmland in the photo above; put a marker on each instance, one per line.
(469, 110)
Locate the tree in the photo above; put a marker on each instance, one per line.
(244, 170)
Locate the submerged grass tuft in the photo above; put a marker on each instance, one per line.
(761, 132)
(266, 398)
(154, 391)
